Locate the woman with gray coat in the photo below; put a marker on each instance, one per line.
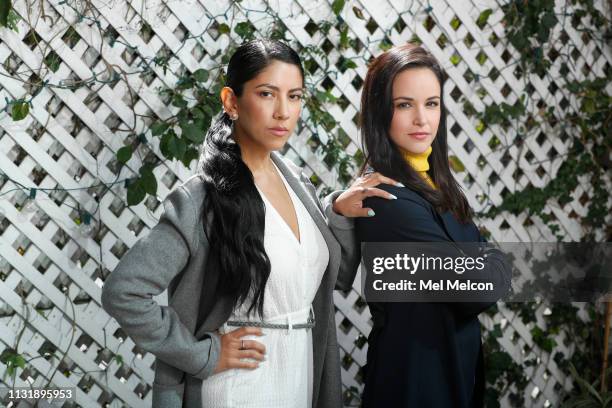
(249, 256)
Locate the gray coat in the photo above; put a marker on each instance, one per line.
(182, 336)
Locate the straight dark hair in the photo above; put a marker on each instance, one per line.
(385, 156)
(233, 209)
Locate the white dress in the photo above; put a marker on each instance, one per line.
(284, 379)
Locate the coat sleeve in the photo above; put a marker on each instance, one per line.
(146, 270)
(343, 229)
(407, 220)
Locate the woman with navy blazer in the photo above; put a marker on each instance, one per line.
(420, 354)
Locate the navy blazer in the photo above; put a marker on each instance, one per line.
(423, 354)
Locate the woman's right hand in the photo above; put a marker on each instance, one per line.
(350, 202)
(232, 351)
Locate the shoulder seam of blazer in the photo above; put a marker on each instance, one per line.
(414, 196)
(193, 244)
(406, 194)
(324, 205)
(298, 172)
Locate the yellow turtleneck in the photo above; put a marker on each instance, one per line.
(419, 162)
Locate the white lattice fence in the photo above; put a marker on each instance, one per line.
(52, 268)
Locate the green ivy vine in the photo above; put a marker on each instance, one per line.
(587, 129)
(588, 132)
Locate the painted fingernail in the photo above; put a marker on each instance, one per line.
(400, 184)
(392, 197)
(371, 213)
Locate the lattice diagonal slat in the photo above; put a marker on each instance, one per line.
(51, 269)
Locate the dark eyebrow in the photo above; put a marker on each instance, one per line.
(277, 89)
(412, 99)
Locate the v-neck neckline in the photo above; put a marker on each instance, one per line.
(293, 203)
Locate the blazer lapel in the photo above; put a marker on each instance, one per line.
(449, 225)
(315, 213)
(299, 190)
(322, 301)
(446, 221)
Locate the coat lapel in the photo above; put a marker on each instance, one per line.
(323, 301)
(446, 221)
(299, 190)
(313, 208)
(449, 225)
(459, 232)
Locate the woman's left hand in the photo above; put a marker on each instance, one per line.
(350, 202)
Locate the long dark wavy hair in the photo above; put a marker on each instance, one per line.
(234, 213)
(382, 154)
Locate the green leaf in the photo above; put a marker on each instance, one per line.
(344, 38)
(481, 58)
(177, 148)
(158, 128)
(455, 59)
(494, 142)
(347, 63)
(135, 193)
(124, 154)
(20, 110)
(209, 110)
(455, 23)
(223, 28)
(148, 180)
(499, 362)
(483, 17)
(496, 332)
(358, 13)
(119, 359)
(53, 61)
(5, 8)
(198, 113)
(6, 355)
(192, 132)
(179, 101)
(480, 127)
(184, 83)
(456, 164)
(519, 40)
(337, 6)
(201, 75)
(183, 115)
(244, 30)
(588, 105)
(326, 96)
(542, 340)
(165, 143)
(12, 20)
(189, 156)
(543, 32)
(19, 361)
(549, 20)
